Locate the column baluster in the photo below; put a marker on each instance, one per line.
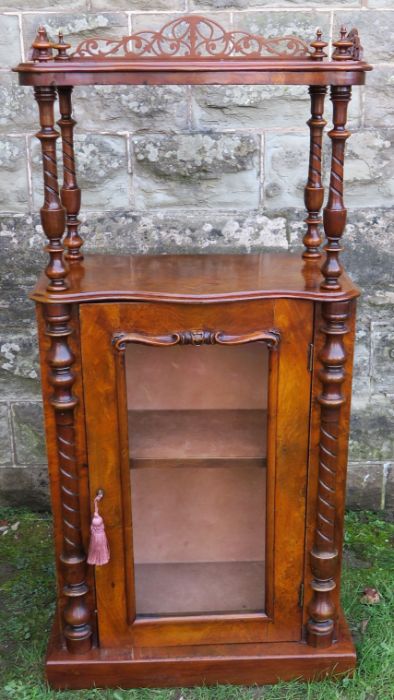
(314, 190)
(70, 192)
(334, 215)
(52, 211)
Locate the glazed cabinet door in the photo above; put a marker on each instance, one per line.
(197, 419)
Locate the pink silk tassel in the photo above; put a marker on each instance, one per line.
(98, 547)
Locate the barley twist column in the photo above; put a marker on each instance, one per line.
(314, 190)
(77, 630)
(52, 212)
(324, 554)
(70, 192)
(334, 215)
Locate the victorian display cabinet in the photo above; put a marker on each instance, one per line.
(196, 406)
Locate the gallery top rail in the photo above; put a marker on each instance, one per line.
(194, 50)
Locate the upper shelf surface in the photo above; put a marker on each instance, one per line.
(194, 50)
(193, 279)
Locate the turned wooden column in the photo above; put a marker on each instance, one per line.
(52, 211)
(76, 629)
(324, 556)
(314, 190)
(334, 215)
(70, 192)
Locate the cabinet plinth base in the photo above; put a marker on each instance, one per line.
(163, 667)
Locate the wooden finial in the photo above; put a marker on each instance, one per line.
(318, 45)
(343, 47)
(61, 47)
(357, 50)
(42, 47)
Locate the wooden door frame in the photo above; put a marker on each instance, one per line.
(139, 322)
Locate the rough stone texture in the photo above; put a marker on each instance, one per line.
(75, 27)
(211, 170)
(379, 97)
(382, 356)
(370, 167)
(27, 423)
(102, 171)
(364, 489)
(19, 370)
(259, 107)
(245, 4)
(5, 436)
(43, 5)
(140, 22)
(250, 106)
(284, 153)
(139, 5)
(374, 420)
(130, 108)
(10, 52)
(21, 242)
(24, 486)
(176, 233)
(17, 109)
(380, 4)
(204, 169)
(14, 196)
(277, 23)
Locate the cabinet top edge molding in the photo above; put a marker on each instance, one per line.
(191, 278)
(193, 49)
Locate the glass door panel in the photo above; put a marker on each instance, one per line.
(197, 441)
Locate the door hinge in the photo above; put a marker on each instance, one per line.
(311, 348)
(301, 596)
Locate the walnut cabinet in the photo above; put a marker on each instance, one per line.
(202, 401)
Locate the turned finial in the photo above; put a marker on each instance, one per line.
(42, 47)
(343, 46)
(357, 50)
(318, 45)
(61, 47)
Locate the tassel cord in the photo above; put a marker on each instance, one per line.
(98, 554)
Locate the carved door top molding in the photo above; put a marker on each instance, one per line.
(197, 338)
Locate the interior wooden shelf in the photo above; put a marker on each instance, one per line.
(189, 437)
(200, 587)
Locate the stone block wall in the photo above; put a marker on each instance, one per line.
(204, 169)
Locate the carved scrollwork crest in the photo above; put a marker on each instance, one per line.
(193, 37)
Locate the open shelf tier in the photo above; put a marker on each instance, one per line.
(193, 278)
(193, 49)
